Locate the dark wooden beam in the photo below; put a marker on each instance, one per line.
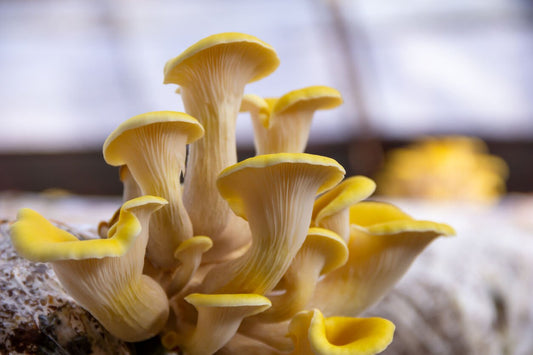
(87, 173)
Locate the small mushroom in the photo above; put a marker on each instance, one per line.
(384, 241)
(153, 146)
(282, 125)
(322, 252)
(189, 254)
(275, 194)
(103, 275)
(219, 317)
(331, 210)
(314, 334)
(212, 75)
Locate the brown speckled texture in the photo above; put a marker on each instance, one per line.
(38, 317)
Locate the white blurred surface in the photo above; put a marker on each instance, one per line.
(71, 71)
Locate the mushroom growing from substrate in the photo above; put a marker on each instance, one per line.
(103, 275)
(276, 254)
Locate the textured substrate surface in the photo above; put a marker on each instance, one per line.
(469, 294)
(38, 317)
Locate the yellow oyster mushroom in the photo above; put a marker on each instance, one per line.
(322, 252)
(212, 75)
(275, 194)
(153, 147)
(314, 334)
(219, 317)
(189, 254)
(332, 209)
(103, 275)
(444, 168)
(384, 241)
(282, 125)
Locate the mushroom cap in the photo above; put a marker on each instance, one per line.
(195, 245)
(233, 178)
(255, 103)
(330, 244)
(253, 303)
(340, 335)
(347, 193)
(317, 97)
(367, 213)
(411, 226)
(252, 47)
(36, 239)
(252, 102)
(118, 139)
(380, 218)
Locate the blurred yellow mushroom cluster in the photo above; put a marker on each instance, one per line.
(275, 254)
(444, 168)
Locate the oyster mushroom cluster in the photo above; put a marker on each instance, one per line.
(276, 254)
(446, 168)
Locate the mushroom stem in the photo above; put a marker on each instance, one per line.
(212, 74)
(217, 112)
(275, 193)
(103, 275)
(272, 334)
(241, 344)
(189, 254)
(219, 317)
(131, 189)
(135, 312)
(153, 146)
(383, 243)
(314, 334)
(301, 286)
(322, 252)
(159, 175)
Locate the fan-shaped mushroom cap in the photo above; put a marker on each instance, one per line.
(331, 210)
(275, 193)
(322, 252)
(282, 125)
(375, 213)
(233, 179)
(212, 74)
(219, 317)
(314, 334)
(120, 141)
(36, 239)
(153, 147)
(103, 275)
(310, 98)
(251, 49)
(381, 249)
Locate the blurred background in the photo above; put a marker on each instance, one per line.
(71, 71)
(438, 105)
